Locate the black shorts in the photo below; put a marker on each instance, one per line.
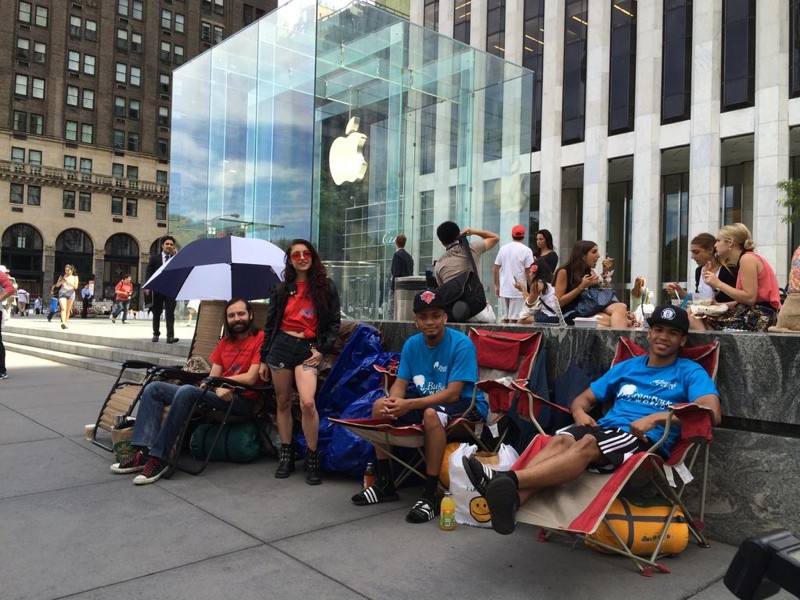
(287, 351)
(615, 445)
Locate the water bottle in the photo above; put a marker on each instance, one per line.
(369, 475)
(447, 513)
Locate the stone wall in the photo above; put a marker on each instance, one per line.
(754, 474)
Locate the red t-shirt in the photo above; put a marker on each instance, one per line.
(123, 291)
(300, 315)
(237, 356)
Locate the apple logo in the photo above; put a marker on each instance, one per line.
(346, 158)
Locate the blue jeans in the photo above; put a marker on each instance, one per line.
(149, 431)
(121, 306)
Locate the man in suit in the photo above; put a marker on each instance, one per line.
(160, 301)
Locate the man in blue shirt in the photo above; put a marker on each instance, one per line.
(442, 365)
(642, 389)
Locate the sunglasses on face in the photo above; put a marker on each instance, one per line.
(297, 254)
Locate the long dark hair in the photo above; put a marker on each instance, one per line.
(576, 265)
(318, 286)
(229, 335)
(548, 241)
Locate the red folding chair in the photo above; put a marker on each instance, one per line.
(581, 506)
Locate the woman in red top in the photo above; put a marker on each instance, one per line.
(302, 325)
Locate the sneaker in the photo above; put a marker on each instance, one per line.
(375, 494)
(134, 464)
(155, 338)
(3, 375)
(423, 511)
(503, 500)
(479, 474)
(152, 472)
(113, 319)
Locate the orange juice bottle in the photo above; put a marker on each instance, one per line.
(447, 513)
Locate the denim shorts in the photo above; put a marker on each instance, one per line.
(288, 351)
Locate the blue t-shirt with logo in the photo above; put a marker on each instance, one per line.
(431, 369)
(639, 390)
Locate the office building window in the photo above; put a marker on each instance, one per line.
(120, 107)
(461, 20)
(72, 95)
(88, 99)
(122, 39)
(20, 121)
(178, 53)
(116, 206)
(496, 27)
(180, 23)
(131, 207)
(36, 124)
(166, 51)
(75, 27)
(21, 85)
(34, 195)
(134, 108)
(622, 66)
(161, 177)
(90, 30)
(87, 133)
(86, 165)
(85, 202)
(24, 12)
(136, 76)
(205, 32)
(35, 157)
(70, 162)
(133, 173)
(121, 73)
(23, 49)
(119, 140)
(794, 50)
(161, 211)
(133, 142)
(163, 81)
(430, 17)
(136, 42)
(39, 53)
(219, 7)
(74, 61)
(738, 53)
(17, 154)
(532, 58)
(118, 169)
(166, 19)
(71, 131)
(88, 64)
(41, 16)
(37, 88)
(68, 200)
(675, 226)
(163, 148)
(163, 116)
(123, 7)
(137, 9)
(16, 193)
(574, 87)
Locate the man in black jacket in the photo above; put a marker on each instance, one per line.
(402, 266)
(160, 301)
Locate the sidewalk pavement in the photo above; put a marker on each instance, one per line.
(70, 528)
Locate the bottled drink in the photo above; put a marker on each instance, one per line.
(447, 513)
(369, 475)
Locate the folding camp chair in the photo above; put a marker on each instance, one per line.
(124, 394)
(581, 506)
(502, 358)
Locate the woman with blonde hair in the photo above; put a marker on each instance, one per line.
(66, 284)
(705, 257)
(640, 294)
(755, 296)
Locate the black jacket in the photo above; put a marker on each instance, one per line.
(402, 265)
(329, 318)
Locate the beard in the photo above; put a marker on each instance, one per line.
(240, 327)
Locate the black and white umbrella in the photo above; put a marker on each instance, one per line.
(220, 269)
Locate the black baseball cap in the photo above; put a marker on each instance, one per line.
(673, 316)
(428, 299)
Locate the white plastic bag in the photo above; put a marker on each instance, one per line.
(471, 507)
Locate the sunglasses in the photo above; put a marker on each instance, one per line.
(297, 254)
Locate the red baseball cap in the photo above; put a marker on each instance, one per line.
(517, 231)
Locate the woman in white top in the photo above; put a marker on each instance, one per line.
(66, 284)
(538, 305)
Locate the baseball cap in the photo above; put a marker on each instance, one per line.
(673, 316)
(517, 231)
(428, 299)
(3, 269)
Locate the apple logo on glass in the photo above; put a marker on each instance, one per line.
(346, 158)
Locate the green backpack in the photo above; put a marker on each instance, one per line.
(238, 442)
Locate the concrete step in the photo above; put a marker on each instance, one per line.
(106, 367)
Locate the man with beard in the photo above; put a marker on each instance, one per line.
(442, 363)
(236, 357)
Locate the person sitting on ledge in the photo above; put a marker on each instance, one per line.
(443, 365)
(642, 388)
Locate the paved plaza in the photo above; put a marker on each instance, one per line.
(71, 529)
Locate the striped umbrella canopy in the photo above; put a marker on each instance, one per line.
(220, 269)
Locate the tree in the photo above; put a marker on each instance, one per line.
(790, 187)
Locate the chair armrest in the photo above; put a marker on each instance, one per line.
(138, 364)
(216, 382)
(696, 423)
(533, 400)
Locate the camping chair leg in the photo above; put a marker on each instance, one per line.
(704, 487)
(644, 566)
(176, 461)
(695, 527)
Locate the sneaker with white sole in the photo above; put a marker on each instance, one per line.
(134, 464)
(152, 472)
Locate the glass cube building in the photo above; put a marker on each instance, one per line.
(344, 124)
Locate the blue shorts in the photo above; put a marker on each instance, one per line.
(287, 351)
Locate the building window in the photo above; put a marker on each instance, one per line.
(675, 224)
(794, 52)
(16, 193)
(137, 9)
(134, 109)
(493, 116)
(75, 27)
(88, 99)
(17, 154)
(86, 165)
(178, 51)
(119, 139)
(205, 32)
(136, 76)
(161, 177)
(163, 116)
(180, 23)
(37, 88)
(68, 200)
(738, 53)
(39, 53)
(34, 195)
(430, 17)
(87, 133)
(122, 39)
(136, 42)
(574, 87)
(119, 107)
(163, 148)
(23, 49)
(166, 19)
(85, 202)
(496, 27)
(163, 81)
(461, 20)
(71, 131)
(166, 51)
(21, 85)
(74, 61)
(70, 162)
(121, 73)
(41, 16)
(131, 207)
(90, 30)
(118, 169)
(219, 7)
(533, 59)
(20, 121)
(35, 157)
(161, 211)
(37, 124)
(133, 173)
(622, 67)
(88, 64)
(123, 7)
(72, 95)
(24, 13)
(133, 142)
(116, 206)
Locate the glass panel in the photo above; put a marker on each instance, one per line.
(675, 219)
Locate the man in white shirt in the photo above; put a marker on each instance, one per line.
(512, 263)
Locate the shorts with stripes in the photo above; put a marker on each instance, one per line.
(615, 445)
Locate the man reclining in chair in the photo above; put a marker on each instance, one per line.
(642, 388)
(235, 357)
(443, 365)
